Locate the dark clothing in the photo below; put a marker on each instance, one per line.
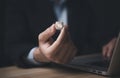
(27, 18)
(2, 27)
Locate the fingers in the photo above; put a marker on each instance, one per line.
(45, 40)
(65, 55)
(59, 51)
(59, 41)
(69, 55)
(108, 49)
(47, 34)
(109, 53)
(106, 52)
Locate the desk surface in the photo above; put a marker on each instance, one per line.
(44, 72)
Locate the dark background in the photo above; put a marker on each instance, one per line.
(2, 27)
(107, 12)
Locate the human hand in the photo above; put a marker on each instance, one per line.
(60, 51)
(108, 49)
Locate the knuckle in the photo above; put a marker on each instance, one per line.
(40, 37)
(49, 31)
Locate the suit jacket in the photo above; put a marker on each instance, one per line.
(27, 18)
(2, 26)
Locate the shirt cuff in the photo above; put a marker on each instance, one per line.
(30, 57)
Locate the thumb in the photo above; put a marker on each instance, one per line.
(47, 34)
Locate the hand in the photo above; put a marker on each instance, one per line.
(108, 49)
(60, 51)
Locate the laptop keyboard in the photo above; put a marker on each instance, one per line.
(101, 63)
(97, 63)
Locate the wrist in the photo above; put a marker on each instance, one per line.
(39, 56)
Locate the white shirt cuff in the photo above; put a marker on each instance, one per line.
(30, 57)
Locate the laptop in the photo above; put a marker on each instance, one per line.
(95, 63)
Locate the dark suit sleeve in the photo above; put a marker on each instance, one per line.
(18, 38)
